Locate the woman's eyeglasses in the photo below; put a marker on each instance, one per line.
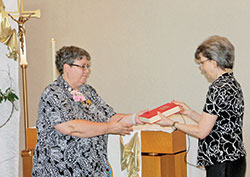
(202, 62)
(84, 67)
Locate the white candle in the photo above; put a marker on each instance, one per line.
(23, 59)
(53, 46)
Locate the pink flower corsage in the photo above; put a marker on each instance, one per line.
(80, 98)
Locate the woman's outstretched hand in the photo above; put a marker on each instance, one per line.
(117, 127)
(185, 109)
(164, 121)
(137, 117)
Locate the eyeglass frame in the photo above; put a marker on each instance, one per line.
(84, 67)
(202, 62)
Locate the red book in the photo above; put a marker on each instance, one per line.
(167, 109)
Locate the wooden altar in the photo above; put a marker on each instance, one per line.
(163, 154)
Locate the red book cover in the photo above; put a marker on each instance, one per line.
(166, 109)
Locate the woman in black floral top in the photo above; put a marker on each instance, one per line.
(74, 122)
(219, 127)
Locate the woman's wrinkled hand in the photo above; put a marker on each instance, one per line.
(185, 109)
(117, 127)
(137, 117)
(164, 121)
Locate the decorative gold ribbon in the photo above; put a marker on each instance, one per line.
(130, 156)
(7, 35)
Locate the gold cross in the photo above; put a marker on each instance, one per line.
(23, 16)
(23, 13)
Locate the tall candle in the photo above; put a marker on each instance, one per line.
(23, 59)
(53, 47)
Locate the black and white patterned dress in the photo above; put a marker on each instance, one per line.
(224, 142)
(58, 155)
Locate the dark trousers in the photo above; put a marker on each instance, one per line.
(228, 169)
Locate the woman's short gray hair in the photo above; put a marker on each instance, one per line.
(68, 55)
(219, 49)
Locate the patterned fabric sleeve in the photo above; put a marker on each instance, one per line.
(54, 107)
(214, 101)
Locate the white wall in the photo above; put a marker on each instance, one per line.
(142, 50)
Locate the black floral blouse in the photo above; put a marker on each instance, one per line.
(59, 155)
(224, 142)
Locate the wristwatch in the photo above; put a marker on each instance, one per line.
(173, 126)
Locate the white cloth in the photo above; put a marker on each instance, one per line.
(153, 127)
(9, 133)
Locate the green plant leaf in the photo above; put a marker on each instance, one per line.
(11, 96)
(8, 95)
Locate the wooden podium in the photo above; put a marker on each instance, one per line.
(163, 154)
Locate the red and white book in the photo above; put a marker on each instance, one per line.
(152, 116)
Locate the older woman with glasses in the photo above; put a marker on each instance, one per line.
(74, 122)
(219, 126)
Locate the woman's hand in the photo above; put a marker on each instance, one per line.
(165, 121)
(185, 109)
(137, 117)
(117, 127)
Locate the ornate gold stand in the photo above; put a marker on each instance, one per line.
(25, 102)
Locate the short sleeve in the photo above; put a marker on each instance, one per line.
(54, 108)
(214, 101)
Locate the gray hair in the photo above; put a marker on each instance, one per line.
(68, 55)
(219, 49)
